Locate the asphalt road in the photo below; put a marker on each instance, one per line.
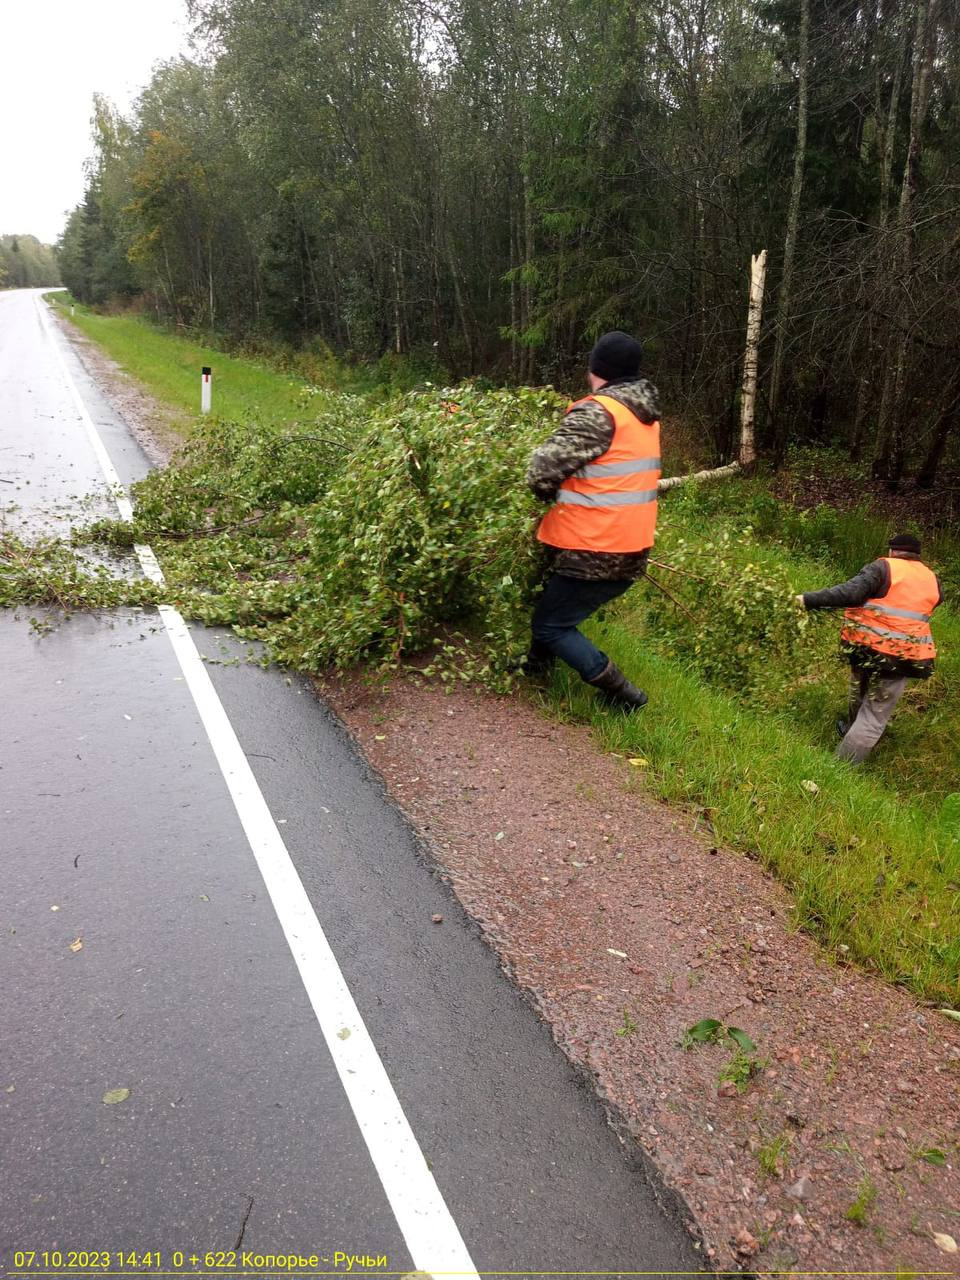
(174, 926)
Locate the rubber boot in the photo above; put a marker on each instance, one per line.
(616, 689)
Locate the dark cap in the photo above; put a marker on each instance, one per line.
(616, 355)
(905, 542)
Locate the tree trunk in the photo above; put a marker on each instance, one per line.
(890, 128)
(860, 416)
(461, 306)
(758, 268)
(528, 253)
(945, 428)
(893, 443)
(697, 477)
(514, 299)
(397, 329)
(790, 240)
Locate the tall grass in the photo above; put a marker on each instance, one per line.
(918, 758)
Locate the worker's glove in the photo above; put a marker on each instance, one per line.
(798, 600)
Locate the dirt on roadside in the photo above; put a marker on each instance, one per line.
(834, 1145)
(156, 427)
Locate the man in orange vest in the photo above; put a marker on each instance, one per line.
(599, 470)
(886, 637)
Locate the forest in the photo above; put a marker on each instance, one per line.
(481, 187)
(25, 263)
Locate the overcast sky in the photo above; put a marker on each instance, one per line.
(56, 55)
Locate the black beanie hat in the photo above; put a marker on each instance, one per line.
(905, 542)
(616, 355)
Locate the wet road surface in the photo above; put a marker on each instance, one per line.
(202, 901)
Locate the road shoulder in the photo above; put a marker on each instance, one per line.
(625, 927)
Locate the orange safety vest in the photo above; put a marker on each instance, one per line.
(610, 504)
(898, 624)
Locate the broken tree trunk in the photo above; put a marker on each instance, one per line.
(758, 269)
(714, 473)
(748, 452)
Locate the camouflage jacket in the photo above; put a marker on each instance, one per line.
(585, 433)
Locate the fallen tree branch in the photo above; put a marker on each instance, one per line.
(670, 568)
(715, 473)
(682, 607)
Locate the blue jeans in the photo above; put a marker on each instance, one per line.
(565, 603)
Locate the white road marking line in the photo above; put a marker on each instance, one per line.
(424, 1220)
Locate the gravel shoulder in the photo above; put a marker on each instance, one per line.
(158, 429)
(624, 926)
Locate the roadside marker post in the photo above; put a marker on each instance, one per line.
(206, 388)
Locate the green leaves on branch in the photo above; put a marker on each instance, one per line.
(360, 536)
(47, 573)
(745, 632)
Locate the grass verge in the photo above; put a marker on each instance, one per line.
(169, 367)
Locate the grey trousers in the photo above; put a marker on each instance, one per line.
(872, 700)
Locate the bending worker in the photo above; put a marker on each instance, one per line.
(599, 469)
(886, 637)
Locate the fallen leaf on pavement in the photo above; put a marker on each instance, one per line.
(76, 944)
(945, 1243)
(116, 1095)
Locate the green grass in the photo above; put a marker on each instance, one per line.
(773, 1155)
(919, 756)
(169, 367)
(261, 380)
(859, 1212)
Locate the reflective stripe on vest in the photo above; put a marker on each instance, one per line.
(894, 635)
(610, 504)
(628, 468)
(898, 613)
(632, 499)
(897, 624)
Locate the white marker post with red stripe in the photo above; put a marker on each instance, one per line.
(206, 388)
